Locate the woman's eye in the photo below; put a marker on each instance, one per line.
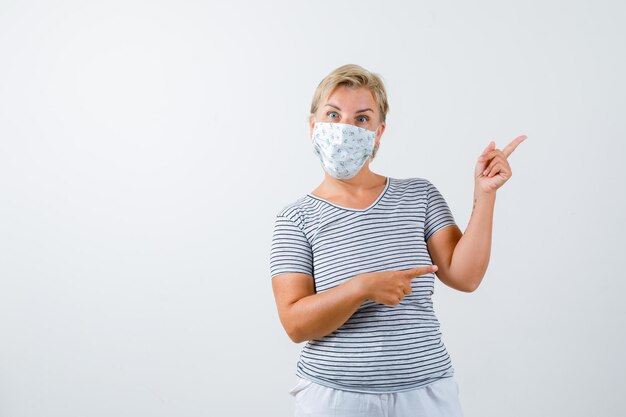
(332, 114)
(362, 119)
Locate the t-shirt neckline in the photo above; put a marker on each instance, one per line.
(355, 209)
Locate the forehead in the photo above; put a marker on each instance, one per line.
(350, 97)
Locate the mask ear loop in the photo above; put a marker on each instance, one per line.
(376, 145)
(374, 152)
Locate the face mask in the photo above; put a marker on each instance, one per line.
(342, 148)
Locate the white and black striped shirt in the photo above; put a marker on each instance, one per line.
(380, 348)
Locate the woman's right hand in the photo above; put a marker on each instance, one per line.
(390, 287)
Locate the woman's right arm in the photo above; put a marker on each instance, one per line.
(307, 315)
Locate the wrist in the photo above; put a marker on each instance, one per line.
(360, 286)
(481, 194)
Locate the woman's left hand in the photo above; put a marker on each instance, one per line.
(492, 168)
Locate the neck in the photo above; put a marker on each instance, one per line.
(363, 181)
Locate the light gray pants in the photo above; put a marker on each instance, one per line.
(439, 399)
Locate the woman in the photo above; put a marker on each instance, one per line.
(353, 265)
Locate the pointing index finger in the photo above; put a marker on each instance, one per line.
(420, 270)
(508, 149)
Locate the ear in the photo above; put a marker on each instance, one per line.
(311, 124)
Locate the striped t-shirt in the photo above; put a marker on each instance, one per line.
(380, 348)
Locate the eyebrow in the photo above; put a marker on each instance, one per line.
(359, 111)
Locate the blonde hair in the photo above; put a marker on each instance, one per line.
(353, 76)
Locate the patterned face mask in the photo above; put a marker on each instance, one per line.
(342, 148)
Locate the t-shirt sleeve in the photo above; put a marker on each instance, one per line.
(438, 214)
(290, 250)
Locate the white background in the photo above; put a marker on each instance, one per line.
(146, 146)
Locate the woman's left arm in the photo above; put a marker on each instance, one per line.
(462, 258)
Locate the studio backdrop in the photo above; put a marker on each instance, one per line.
(147, 146)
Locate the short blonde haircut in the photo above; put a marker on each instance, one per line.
(353, 76)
